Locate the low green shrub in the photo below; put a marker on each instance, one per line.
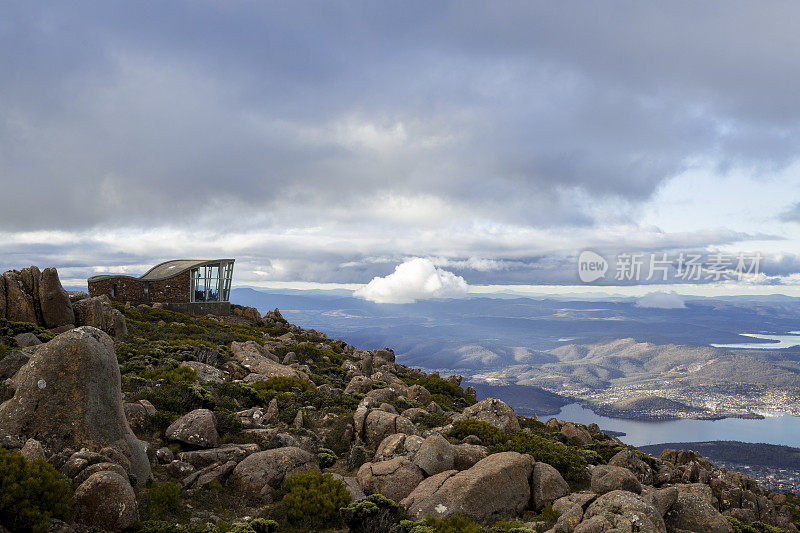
(31, 493)
(374, 514)
(566, 459)
(326, 457)
(262, 525)
(489, 434)
(548, 514)
(162, 498)
(281, 384)
(452, 524)
(752, 527)
(313, 499)
(157, 526)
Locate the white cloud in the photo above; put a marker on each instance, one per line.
(415, 279)
(661, 300)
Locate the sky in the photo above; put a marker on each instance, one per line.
(462, 144)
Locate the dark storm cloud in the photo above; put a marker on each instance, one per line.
(119, 113)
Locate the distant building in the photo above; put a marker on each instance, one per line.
(191, 286)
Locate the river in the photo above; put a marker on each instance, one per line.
(778, 428)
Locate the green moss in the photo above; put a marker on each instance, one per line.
(313, 499)
(489, 435)
(566, 459)
(31, 493)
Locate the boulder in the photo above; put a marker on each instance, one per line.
(493, 411)
(547, 485)
(609, 478)
(54, 301)
(106, 501)
(576, 434)
(261, 473)
(198, 428)
(380, 424)
(352, 486)
(205, 373)
(229, 452)
(435, 455)
(395, 478)
(662, 499)
(27, 340)
(251, 355)
(358, 385)
(419, 394)
(624, 511)
(467, 455)
(32, 449)
(496, 486)
(19, 302)
(11, 363)
(629, 459)
(691, 512)
(69, 395)
(97, 312)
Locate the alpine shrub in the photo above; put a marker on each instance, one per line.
(489, 435)
(566, 459)
(31, 493)
(452, 524)
(162, 498)
(374, 514)
(327, 457)
(313, 499)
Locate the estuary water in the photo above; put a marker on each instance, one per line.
(777, 428)
(768, 341)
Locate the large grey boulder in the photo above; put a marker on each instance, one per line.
(198, 428)
(691, 512)
(261, 473)
(379, 424)
(11, 363)
(608, 478)
(495, 487)
(107, 502)
(435, 455)
(492, 411)
(19, 302)
(69, 396)
(395, 478)
(624, 511)
(98, 312)
(629, 459)
(205, 373)
(547, 485)
(54, 301)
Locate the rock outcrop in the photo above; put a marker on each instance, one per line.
(34, 296)
(68, 395)
(496, 486)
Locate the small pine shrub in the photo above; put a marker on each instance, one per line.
(489, 435)
(374, 514)
(752, 527)
(548, 514)
(327, 458)
(313, 499)
(157, 526)
(566, 459)
(262, 525)
(162, 498)
(31, 493)
(452, 524)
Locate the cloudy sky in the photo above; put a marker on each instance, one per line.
(329, 142)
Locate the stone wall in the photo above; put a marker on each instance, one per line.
(171, 290)
(128, 289)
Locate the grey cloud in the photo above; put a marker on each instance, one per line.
(119, 114)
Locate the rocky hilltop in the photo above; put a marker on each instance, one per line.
(118, 418)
